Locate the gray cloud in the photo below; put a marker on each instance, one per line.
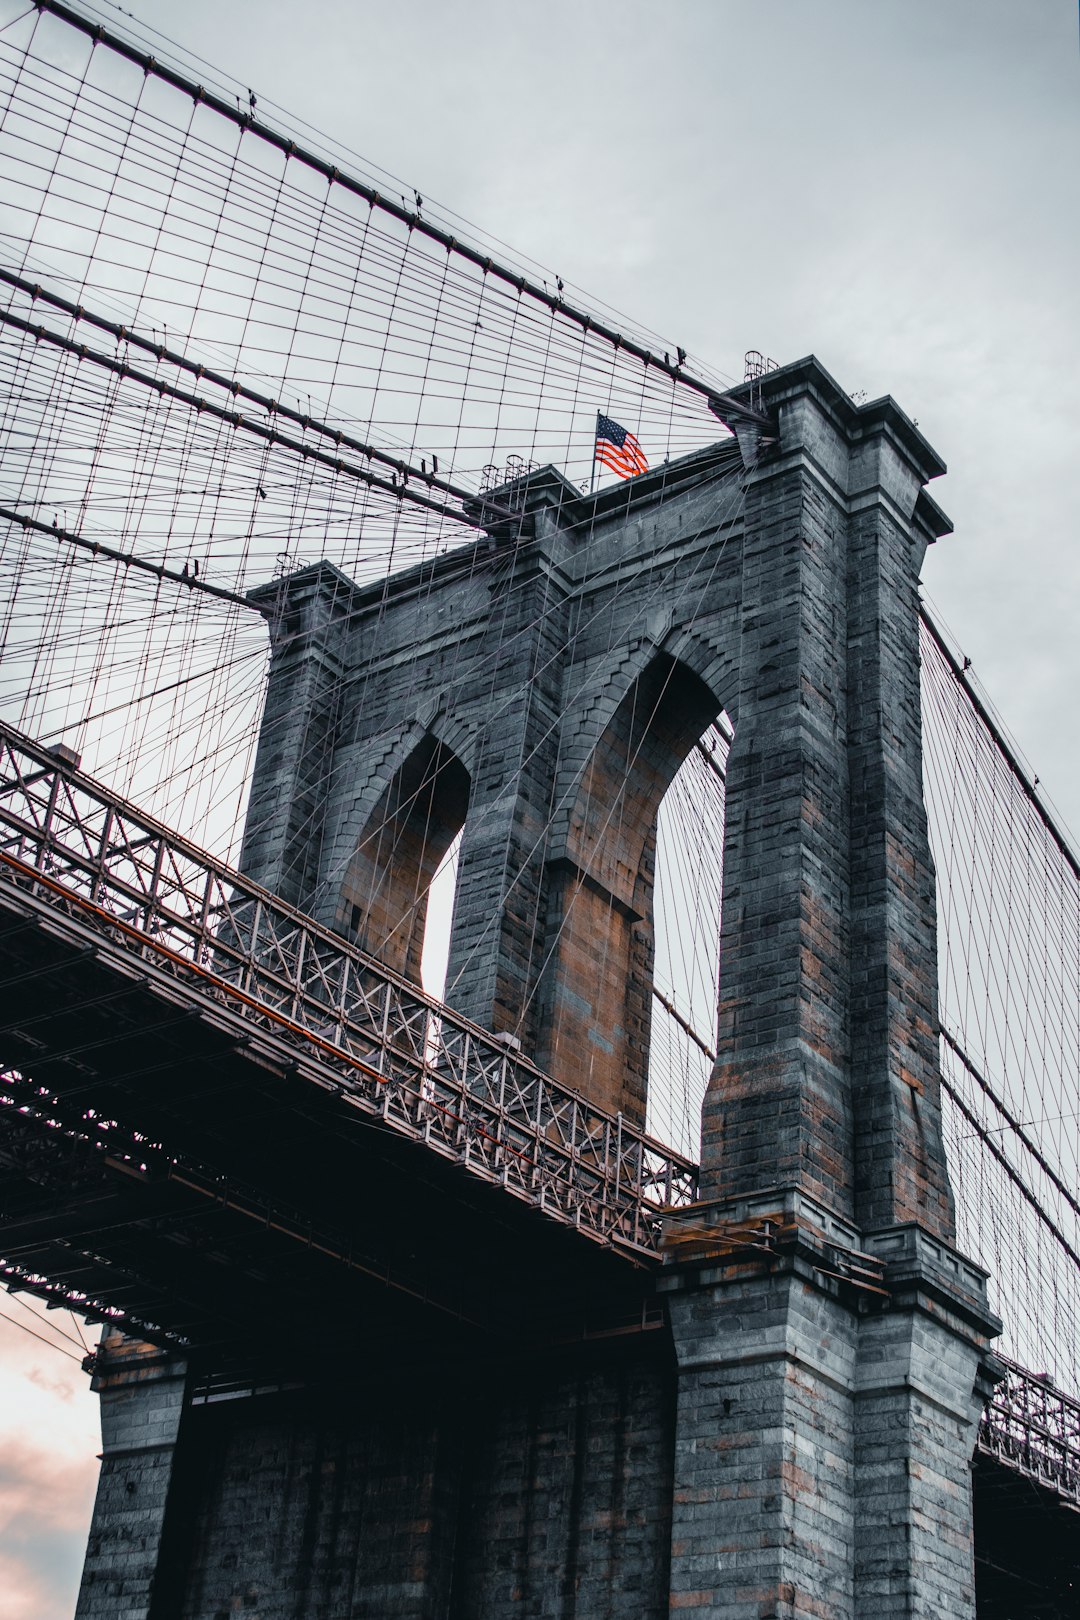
(892, 186)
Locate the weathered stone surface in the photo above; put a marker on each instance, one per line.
(543, 1492)
(142, 1408)
(827, 1044)
(802, 1446)
(541, 692)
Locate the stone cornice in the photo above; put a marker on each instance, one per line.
(857, 423)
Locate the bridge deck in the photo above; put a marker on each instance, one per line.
(232, 1111)
(141, 894)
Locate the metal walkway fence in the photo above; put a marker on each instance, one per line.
(426, 1072)
(396, 1053)
(1034, 1428)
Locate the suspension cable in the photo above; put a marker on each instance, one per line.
(274, 407)
(1013, 1123)
(1014, 1176)
(120, 368)
(413, 219)
(98, 548)
(960, 672)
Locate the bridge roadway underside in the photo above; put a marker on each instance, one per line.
(232, 1204)
(1027, 1547)
(469, 1395)
(389, 1387)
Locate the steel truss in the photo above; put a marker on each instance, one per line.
(395, 1053)
(1034, 1429)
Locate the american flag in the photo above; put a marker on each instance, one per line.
(618, 449)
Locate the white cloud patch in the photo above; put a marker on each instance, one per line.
(892, 186)
(49, 1439)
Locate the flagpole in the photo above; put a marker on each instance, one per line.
(592, 469)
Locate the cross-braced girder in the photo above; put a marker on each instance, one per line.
(390, 1050)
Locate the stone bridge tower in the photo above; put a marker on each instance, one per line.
(539, 690)
(777, 1422)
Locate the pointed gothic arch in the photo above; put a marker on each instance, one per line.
(383, 900)
(598, 976)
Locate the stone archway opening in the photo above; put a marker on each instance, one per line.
(600, 973)
(440, 916)
(403, 851)
(686, 926)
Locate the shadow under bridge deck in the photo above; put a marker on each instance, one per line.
(227, 1131)
(222, 1122)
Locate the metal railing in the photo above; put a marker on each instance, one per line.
(1034, 1428)
(395, 1052)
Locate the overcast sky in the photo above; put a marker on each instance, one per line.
(889, 184)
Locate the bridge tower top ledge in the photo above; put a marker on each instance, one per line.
(796, 411)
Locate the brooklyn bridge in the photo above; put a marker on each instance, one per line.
(540, 1014)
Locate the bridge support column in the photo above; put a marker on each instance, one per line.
(763, 1500)
(293, 777)
(126, 1575)
(828, 1402)
(922, 1379)
(497, 943)
(830, 1338)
